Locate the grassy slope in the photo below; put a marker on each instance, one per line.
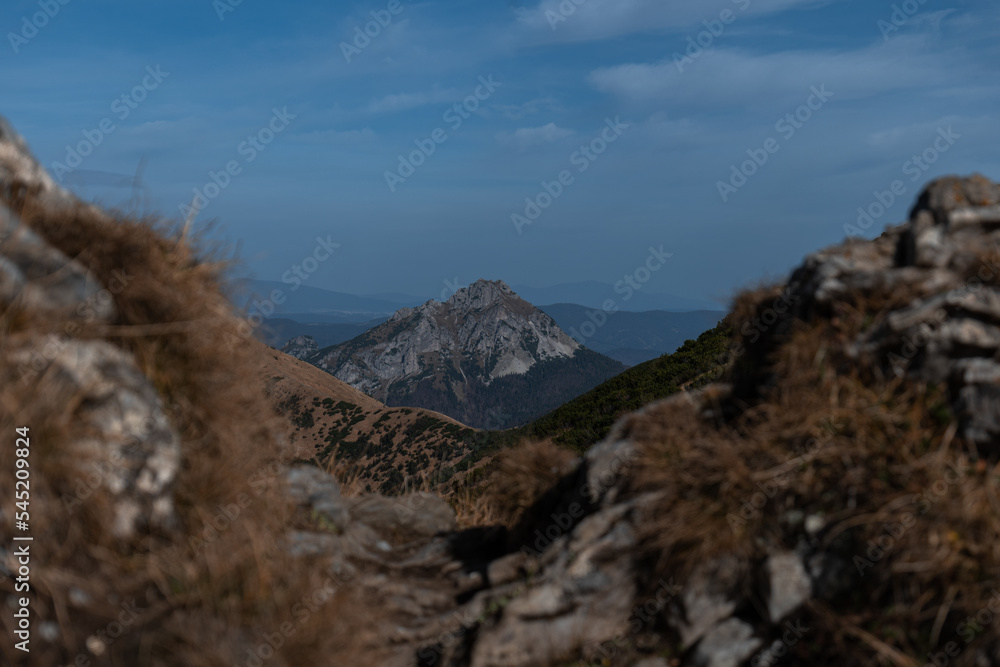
(336, 425)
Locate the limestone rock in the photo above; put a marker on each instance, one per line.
(951, 193)
(301, 347)
(727, 645)
(404, 519)
(947, 256)
(790, 584)
(707, 600)
(39, 278)
(466, 358)
(125, 439)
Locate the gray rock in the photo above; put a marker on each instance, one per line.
(42, 280)
(506, 569)
(977, 407)
(319, 492)
(127, 443)
(707, 599)
(727, 645)
(552, 620)
(303, 543)
(982, 302)
(953, 324)
(607, 464)
(977, 216)
(308, 484)
(405, 519)
(790, 585)
(950, 194)
(967, 332)
(301, 347)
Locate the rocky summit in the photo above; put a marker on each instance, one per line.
(485, 357)
(830, 499)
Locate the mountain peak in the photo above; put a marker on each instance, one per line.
(481, 294)
(444, 356)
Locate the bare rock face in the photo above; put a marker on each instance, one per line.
(485, 323)
(474, 358)
(575, 588)
(301, 347)
(951, 195)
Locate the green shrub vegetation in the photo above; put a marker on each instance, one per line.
(587, 419)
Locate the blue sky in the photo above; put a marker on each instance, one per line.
(892, 77)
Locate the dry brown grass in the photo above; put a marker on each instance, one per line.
(856, 446)
(516, 480)
(350, 477)
(200, 608)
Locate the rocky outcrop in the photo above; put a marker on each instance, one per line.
(123, 439)
(117, 355)
(476, 358)
(301, 347)
(942, 270)
(37, 277)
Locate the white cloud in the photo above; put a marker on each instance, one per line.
(933, 20)
(529, 108)
(404, 101)
(528, 137)
(730, 77)
(909, 137)
(607, 19)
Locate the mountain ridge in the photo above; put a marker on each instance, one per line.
(448, 356)
(340, 428)
(629, 337)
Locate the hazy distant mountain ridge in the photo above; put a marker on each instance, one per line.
(449, 357)
(277, 331)
(306, 303)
